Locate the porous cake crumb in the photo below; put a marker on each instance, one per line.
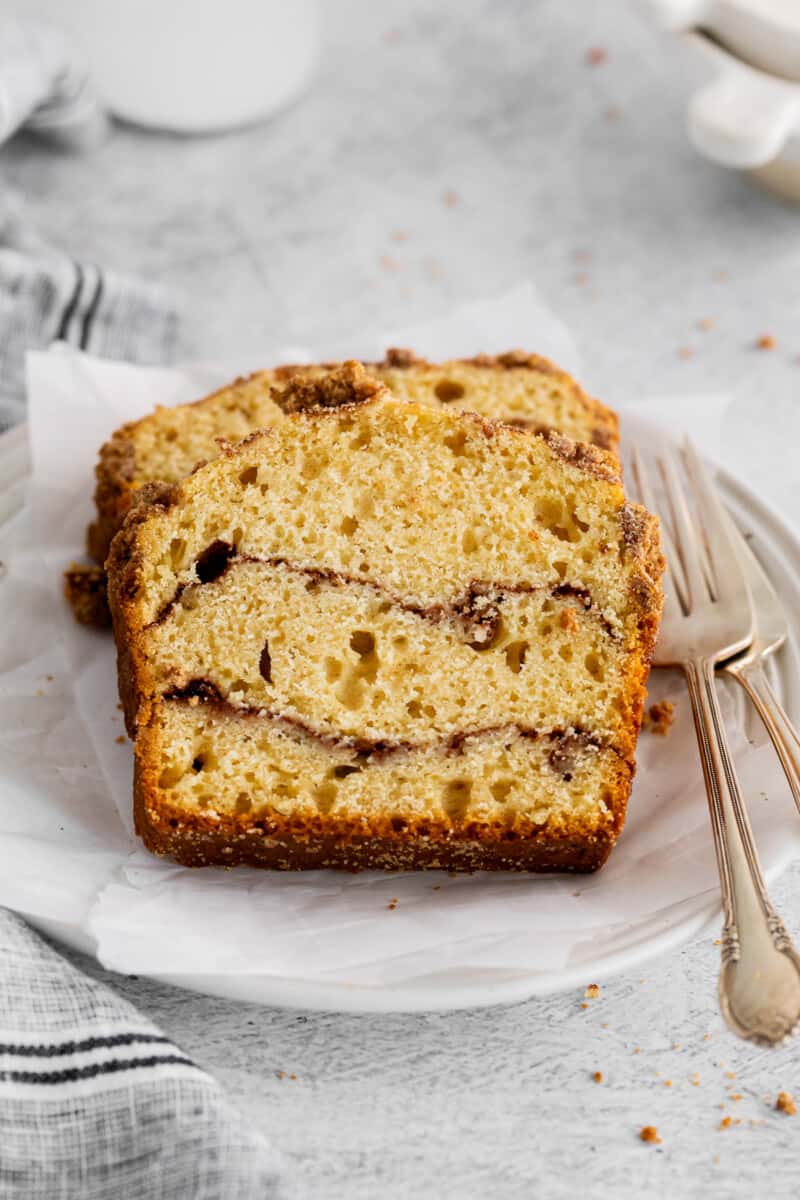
(341, 641)
(786, 1103)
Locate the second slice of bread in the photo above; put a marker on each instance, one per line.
(523, 389)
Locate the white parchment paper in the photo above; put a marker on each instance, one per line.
(68, 852)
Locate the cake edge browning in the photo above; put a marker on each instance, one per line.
(343, 845)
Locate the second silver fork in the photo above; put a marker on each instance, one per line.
(708, 619)
(748, 668)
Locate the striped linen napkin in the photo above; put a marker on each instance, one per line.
(96, 1103)
(45, 296)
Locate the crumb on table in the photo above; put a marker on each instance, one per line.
(598, 1076)
(649, 1133)
(786, 1103)
(766, 342)
(595, 55)
(592, 991)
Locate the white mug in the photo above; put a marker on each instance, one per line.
(191, 66)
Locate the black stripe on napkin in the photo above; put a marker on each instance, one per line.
(74, 1074)
(79, 1047)
(91, 311)
(69, 311)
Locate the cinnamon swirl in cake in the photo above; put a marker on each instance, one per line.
(386, 634)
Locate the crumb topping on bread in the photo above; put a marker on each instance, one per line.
(346, 385)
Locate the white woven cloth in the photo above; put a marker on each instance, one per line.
(97, 1104)
(46, 296)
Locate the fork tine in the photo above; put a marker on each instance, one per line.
(729, 576)
(686, 539)
(647, 497)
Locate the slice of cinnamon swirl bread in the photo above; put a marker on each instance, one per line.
(385, 635)
(165, 446)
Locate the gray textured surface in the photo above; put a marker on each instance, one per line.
(579, 177)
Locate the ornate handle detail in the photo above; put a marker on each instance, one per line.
(759, 984)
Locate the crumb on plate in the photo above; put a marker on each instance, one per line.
(659, 717)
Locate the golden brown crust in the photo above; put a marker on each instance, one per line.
(643, 545)
(123, 567)
(114, 489)
(86, 593)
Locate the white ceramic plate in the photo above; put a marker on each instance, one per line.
(609, 951)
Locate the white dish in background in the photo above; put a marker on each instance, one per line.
(192, 68)
(746, 113)
(615, 947)
(764, 33)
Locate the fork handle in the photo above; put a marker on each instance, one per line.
(759, 983)
(784, 736)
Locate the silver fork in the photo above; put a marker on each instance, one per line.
(708, 619)
(748, 668)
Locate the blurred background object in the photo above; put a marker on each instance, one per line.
(44, 85)
(192, 66)
(748, 115)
